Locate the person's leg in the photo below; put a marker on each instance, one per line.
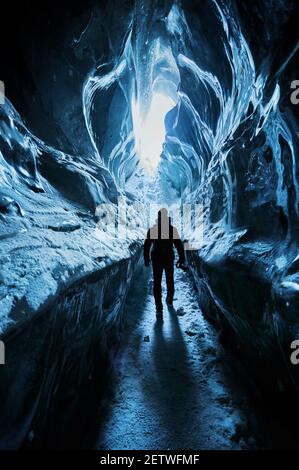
(169, 281)
(157, 273)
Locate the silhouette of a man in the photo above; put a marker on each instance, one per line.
(162, 237)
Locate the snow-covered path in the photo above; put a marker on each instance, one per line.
(173, 389)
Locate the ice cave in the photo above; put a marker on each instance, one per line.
(112, 108)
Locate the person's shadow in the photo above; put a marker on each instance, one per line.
(170, 391)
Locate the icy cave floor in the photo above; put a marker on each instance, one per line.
(173, 386)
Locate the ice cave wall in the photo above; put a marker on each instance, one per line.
(58, 279)
(248, 261)
(62, 287)
(56, 273)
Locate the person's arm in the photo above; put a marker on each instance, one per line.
(180, 249)
(146, 249)
(179, 246)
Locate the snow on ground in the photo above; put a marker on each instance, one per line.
(172, 387)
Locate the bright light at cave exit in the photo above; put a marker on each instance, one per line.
(150, 131)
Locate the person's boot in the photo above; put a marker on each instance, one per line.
(169, 301)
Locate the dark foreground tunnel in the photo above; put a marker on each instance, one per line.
(110, 110)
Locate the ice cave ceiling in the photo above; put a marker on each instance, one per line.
(92, 80)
